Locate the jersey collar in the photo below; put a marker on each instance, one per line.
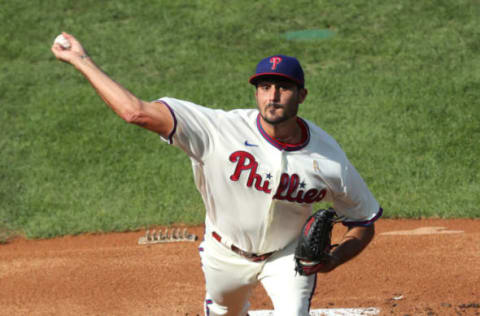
(284, 146)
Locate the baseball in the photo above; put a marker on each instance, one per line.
(60, 39)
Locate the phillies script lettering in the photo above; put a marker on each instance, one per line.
(288, 183)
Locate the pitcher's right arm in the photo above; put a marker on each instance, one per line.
(154, 116)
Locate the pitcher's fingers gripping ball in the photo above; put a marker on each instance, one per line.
(314, 244)
(68, 49)
(65, 43)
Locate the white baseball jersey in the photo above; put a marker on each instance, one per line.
(257, 191)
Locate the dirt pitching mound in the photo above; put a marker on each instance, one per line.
(413, 267)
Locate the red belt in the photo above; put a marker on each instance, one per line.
(250, 256)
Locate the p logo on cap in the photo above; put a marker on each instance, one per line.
(275, 60)
(279, 65)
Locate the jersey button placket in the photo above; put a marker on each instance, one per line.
(280, 168)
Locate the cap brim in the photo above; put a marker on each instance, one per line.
(254, 79)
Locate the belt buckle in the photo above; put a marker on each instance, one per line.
(253, 256)
(256, 258)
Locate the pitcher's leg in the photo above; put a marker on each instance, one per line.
(289, 291)
(218, 301)
(229, 280)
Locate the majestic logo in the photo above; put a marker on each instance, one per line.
(287, 188)
(275, 61)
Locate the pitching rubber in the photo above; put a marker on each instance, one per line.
(327, 312)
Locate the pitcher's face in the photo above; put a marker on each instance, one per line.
(278, 100)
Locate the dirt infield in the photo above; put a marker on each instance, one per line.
(414, 267)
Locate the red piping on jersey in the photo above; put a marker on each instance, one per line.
(284, 146)
(365, 223)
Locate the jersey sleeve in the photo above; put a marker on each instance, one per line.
(353, 200)
(194, 127)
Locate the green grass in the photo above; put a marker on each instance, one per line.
(398, 86)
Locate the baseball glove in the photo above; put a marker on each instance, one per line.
(314, 244)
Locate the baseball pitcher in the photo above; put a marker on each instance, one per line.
(259, 171)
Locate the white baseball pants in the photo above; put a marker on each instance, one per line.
(230, 279)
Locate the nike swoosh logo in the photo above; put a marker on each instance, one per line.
(250, 145)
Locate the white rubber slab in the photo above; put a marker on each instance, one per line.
(327, 312)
